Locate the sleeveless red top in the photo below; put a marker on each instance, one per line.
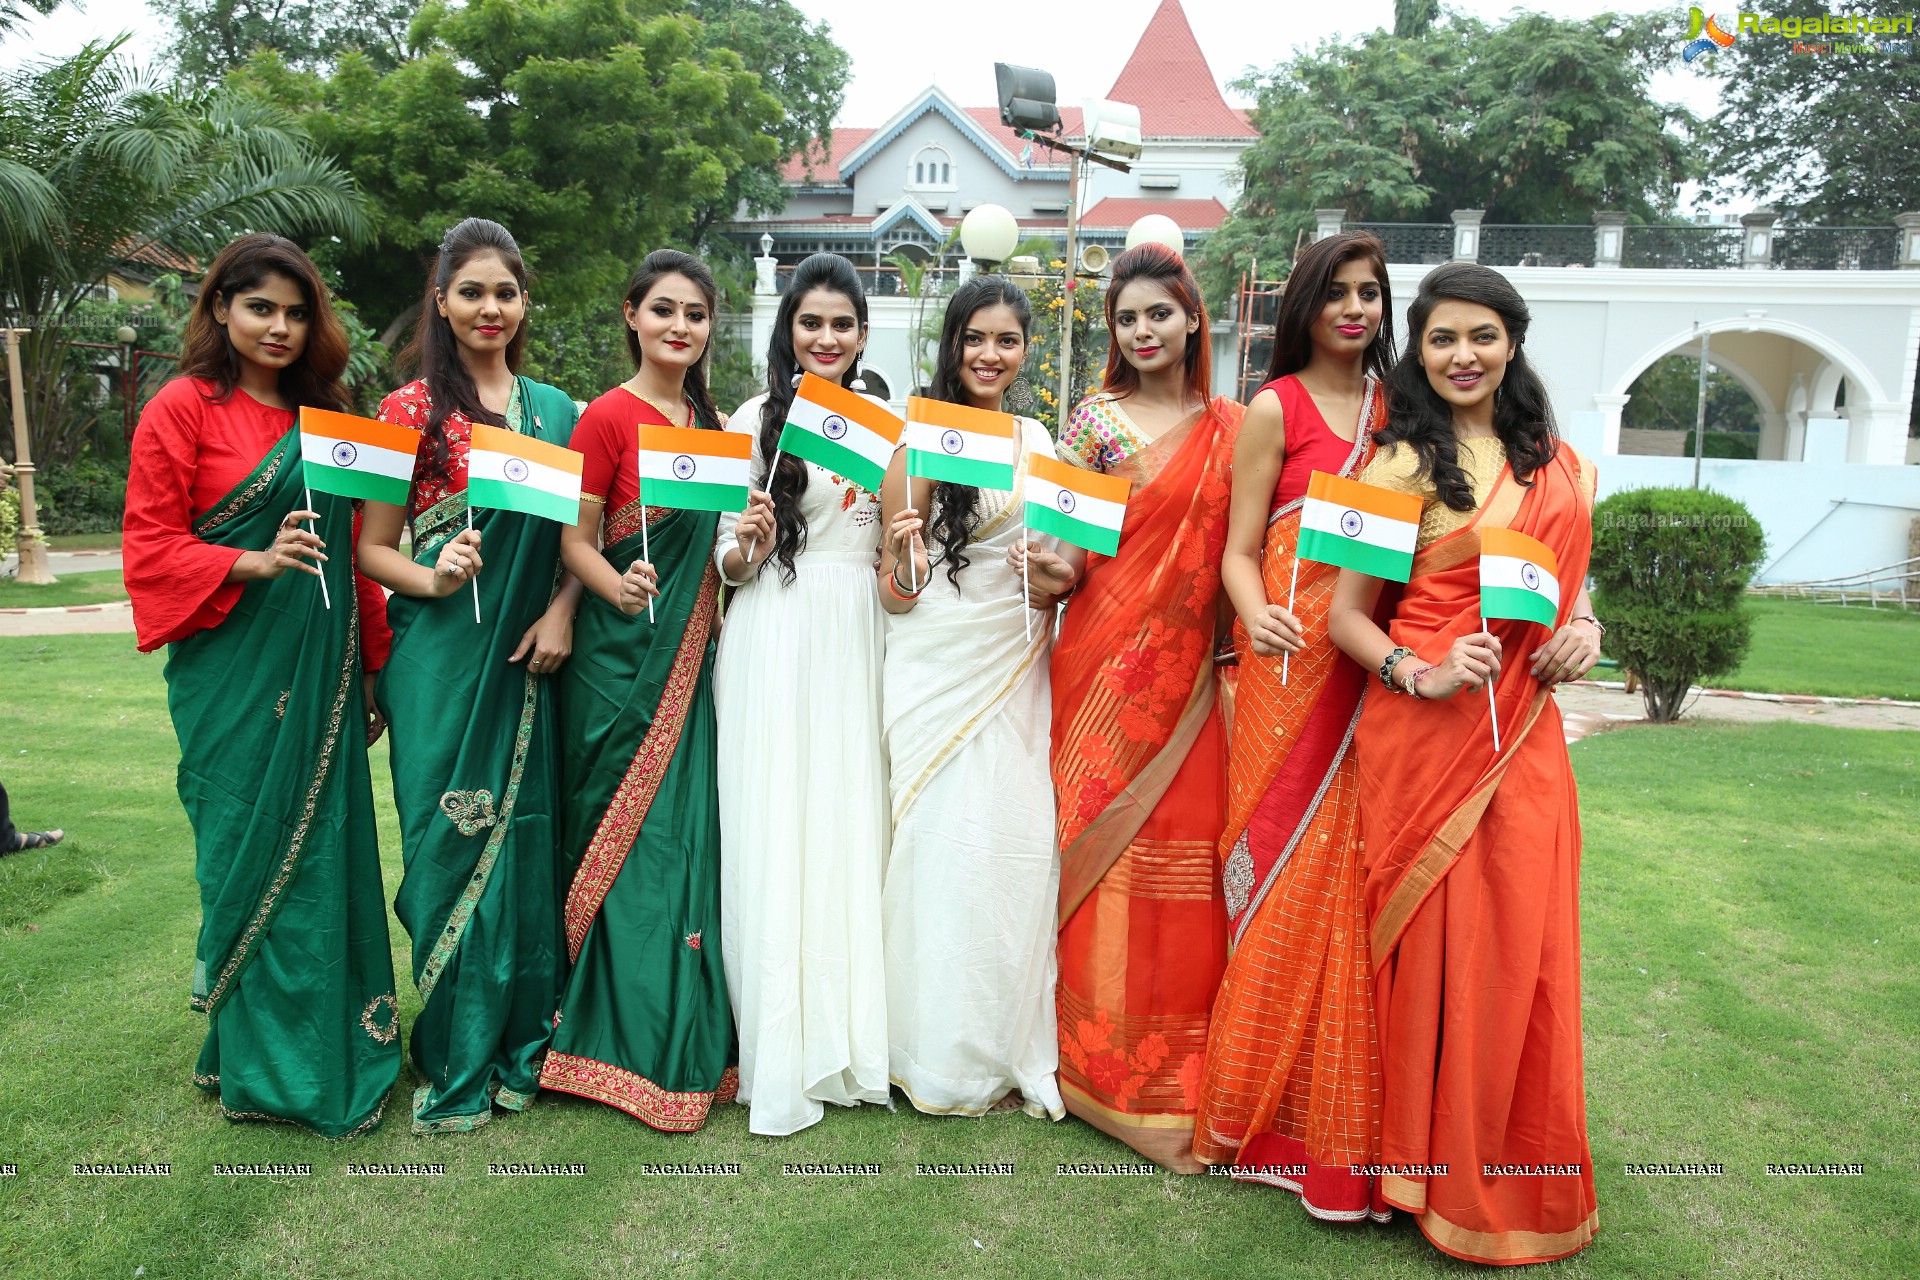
(1311, 444)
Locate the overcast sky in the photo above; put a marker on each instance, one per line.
(1084, 43)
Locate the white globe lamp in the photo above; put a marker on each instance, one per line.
(1157, 228)
(988, 233)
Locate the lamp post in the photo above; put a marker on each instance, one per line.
(1157, 228)
(129, 380)
(33, 552)
(1700, 407)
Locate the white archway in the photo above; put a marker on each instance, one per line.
(1813, 339)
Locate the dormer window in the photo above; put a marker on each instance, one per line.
(931, 170)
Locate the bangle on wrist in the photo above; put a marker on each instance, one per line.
(1598, 625)
(900, 592)
(1411, 682)
(1393, 659)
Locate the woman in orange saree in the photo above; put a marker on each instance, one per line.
(1139, 754)
(1291, 1096)
(1473, 855)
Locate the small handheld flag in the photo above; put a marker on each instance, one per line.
(1518, 578)
(357, 457)
(1075, 505)
(841, 430)
(959, 444)
(694, 470)
(1359, 526)
(513, 472)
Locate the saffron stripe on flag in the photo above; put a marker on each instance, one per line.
(961, 417)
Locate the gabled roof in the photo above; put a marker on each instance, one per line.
(1169, 80)
(990, 142)
(907, 209)
(826, 163)
(1124, 211)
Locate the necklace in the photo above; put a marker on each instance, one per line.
(661, 409)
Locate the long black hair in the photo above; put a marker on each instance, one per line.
(1306, 293)
(672, 262)
(954, 505)
(821, 271)
(1416, 414)
(435, 353)
(208, 352)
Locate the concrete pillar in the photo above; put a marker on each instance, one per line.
(1326, 222)
(966, 270)
(1877, 433)
(1909, 224)
(1610, 408)
(1609, 238)
(1756, 240)
(1466, 234)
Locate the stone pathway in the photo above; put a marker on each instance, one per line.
(1589, 706)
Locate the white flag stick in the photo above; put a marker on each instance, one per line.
(1287, 661)
(755, 544)
(476, 577)
(645, 554)
(1026, 605)
(324, 597)
(1494, 710)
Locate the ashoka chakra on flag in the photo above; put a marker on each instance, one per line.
(344, 454)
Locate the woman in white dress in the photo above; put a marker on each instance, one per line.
(974, 876)
(803, 784)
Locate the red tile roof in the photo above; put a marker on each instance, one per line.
(1169, 80)
(826, 167)
(1124, 211)
(153, 254)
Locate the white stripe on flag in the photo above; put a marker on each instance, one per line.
(1521, 575)
(928, 437)
(695, 468)
(1095, 511)
(484, 464)
(352, 455)
(1401, 536)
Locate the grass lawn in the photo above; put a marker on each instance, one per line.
(84, 541)
(1751, 987)
(1841, 651)
(96, 587)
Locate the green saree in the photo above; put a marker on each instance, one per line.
(645, 1024)
(474, 776)
(292, 964)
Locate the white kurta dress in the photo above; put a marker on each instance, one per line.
(803, 810)
(973, 880)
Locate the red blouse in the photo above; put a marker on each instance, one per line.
(1311, 444)
(188, 453)
(409, 407)
(607, 438)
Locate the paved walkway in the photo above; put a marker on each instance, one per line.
(67, 562)
(1590, 706)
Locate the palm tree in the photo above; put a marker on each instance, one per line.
(99, 163)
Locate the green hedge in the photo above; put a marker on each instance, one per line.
(85, 496)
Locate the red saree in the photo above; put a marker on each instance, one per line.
(1139, 762)
(1291, 1096)
(1473, 872)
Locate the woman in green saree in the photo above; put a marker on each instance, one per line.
(265, 685)
(645, 1025)
(474, 766)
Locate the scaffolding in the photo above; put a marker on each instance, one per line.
(1256, 313)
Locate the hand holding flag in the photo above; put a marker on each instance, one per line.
(1355, 526)
(354, 457)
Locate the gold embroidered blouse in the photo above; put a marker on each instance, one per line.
(1397, 467)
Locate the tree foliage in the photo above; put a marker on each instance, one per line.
(99, 166)
(1826, 138)
(1667, 397)
(594, 130)
(212, 37)
(1535, 120)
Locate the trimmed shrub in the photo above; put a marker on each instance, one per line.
(87, 495)
(1669, 567)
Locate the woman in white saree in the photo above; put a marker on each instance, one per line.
(968, 907)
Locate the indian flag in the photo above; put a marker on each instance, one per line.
(840, 430)
(694, 470)
(959, 444)
(519, 473)
(1075, 505)
(1518, 578)
(357, 457)
(1359, 526)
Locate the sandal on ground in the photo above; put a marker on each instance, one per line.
(24, 840)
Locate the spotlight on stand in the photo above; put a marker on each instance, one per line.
(1027, 98)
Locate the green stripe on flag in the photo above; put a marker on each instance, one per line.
(952, 470)
(1516, 602)
(1043, 518)
(692, 495)
(504, 495)
(1350, 553)
(832, 455)
(356, 484)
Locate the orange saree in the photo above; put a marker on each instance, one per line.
(1473, 875)
(1139, 761)
(1291, 1096)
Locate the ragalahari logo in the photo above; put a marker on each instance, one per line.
(1705, 34)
